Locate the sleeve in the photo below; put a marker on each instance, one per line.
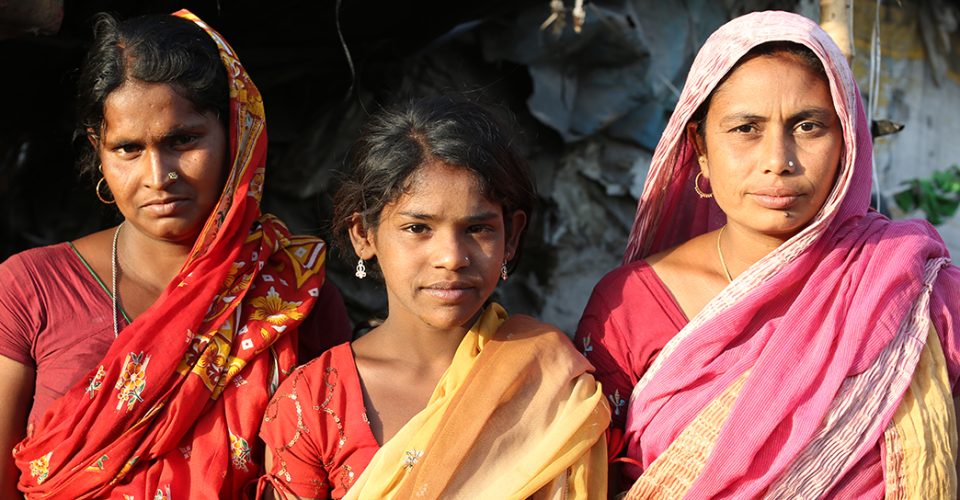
(20, 311)
(327, 324)
(292, 432)
(945, 316)
(607, 347)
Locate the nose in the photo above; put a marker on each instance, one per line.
(162, 169)
(450, 251)
(778, 158)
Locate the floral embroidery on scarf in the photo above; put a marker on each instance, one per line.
(125, 469)
(99, 465)
(274, 309)
(239, 452)
(162, 494)
(616, 401)
(96, 382)
(133, 380)
(40, 468)
(410, 458)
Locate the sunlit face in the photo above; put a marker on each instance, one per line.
(150, 131)
(772, 145)
(440, 247)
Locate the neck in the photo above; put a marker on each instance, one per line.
(421, 344)
(152, 263)
(742, 248)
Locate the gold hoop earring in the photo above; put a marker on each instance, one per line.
(100, 196)
(696, 187)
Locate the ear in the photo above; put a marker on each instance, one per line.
(700, 146)
(361, 238)
(518, 221)
(93, 138)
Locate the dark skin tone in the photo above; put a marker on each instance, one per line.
(149, 131)
(769, 152)
(440, 247)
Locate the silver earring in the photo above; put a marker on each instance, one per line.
(173, 176)
(361, 270)
(503, 271)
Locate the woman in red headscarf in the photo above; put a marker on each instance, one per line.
(769, 334)
(183, 318)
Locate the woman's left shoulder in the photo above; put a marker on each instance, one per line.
(544, 338)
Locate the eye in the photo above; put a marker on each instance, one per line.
(127, 150)
(808, 127)
(480, 228)
(183, 140)
(744, 129)
(416, 228)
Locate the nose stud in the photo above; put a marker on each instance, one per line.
(173, 176)
(790, 163)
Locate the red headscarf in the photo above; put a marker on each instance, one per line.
(175, 405)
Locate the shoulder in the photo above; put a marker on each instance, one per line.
(626, 278)
(38, 258)
(548, 341)
(629, 287)
(315, 369)
(30, 272)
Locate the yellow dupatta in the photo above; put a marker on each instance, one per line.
(516, 415)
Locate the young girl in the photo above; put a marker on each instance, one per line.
(447, 398)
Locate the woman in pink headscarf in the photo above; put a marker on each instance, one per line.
(768, 333)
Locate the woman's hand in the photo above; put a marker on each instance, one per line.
(16, 394)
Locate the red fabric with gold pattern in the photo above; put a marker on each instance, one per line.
(174, 408)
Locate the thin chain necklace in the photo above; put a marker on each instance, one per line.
(723, 264)
(114, 291)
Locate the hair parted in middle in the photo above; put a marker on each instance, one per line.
(398, 140)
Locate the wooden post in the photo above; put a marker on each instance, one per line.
(835, 19)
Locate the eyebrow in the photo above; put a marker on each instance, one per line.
(805, 114)
(480, 217)
(182, 129)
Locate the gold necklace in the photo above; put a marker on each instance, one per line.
(723, 264)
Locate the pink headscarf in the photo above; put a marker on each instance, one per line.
(830, 324)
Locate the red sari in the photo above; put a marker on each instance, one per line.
(174, 407)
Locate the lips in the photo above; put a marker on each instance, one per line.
(449, 291)
(166, 206)
(776, 198)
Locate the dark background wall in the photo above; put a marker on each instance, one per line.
(586, 108)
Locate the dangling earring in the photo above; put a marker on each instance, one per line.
(696, 187)
(361, 270)
(503, 271)
(100, 196)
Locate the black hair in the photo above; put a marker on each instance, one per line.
(152, 49)
(397, 141)
(801, 52)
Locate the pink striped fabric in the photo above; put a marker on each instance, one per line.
(831, 323)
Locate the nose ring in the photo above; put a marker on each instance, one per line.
(790, 163)
(173, 176)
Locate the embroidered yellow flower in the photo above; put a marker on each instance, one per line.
(239, 452)
(274, 309)
(40, 468)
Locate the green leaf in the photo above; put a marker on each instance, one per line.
(905, 200)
